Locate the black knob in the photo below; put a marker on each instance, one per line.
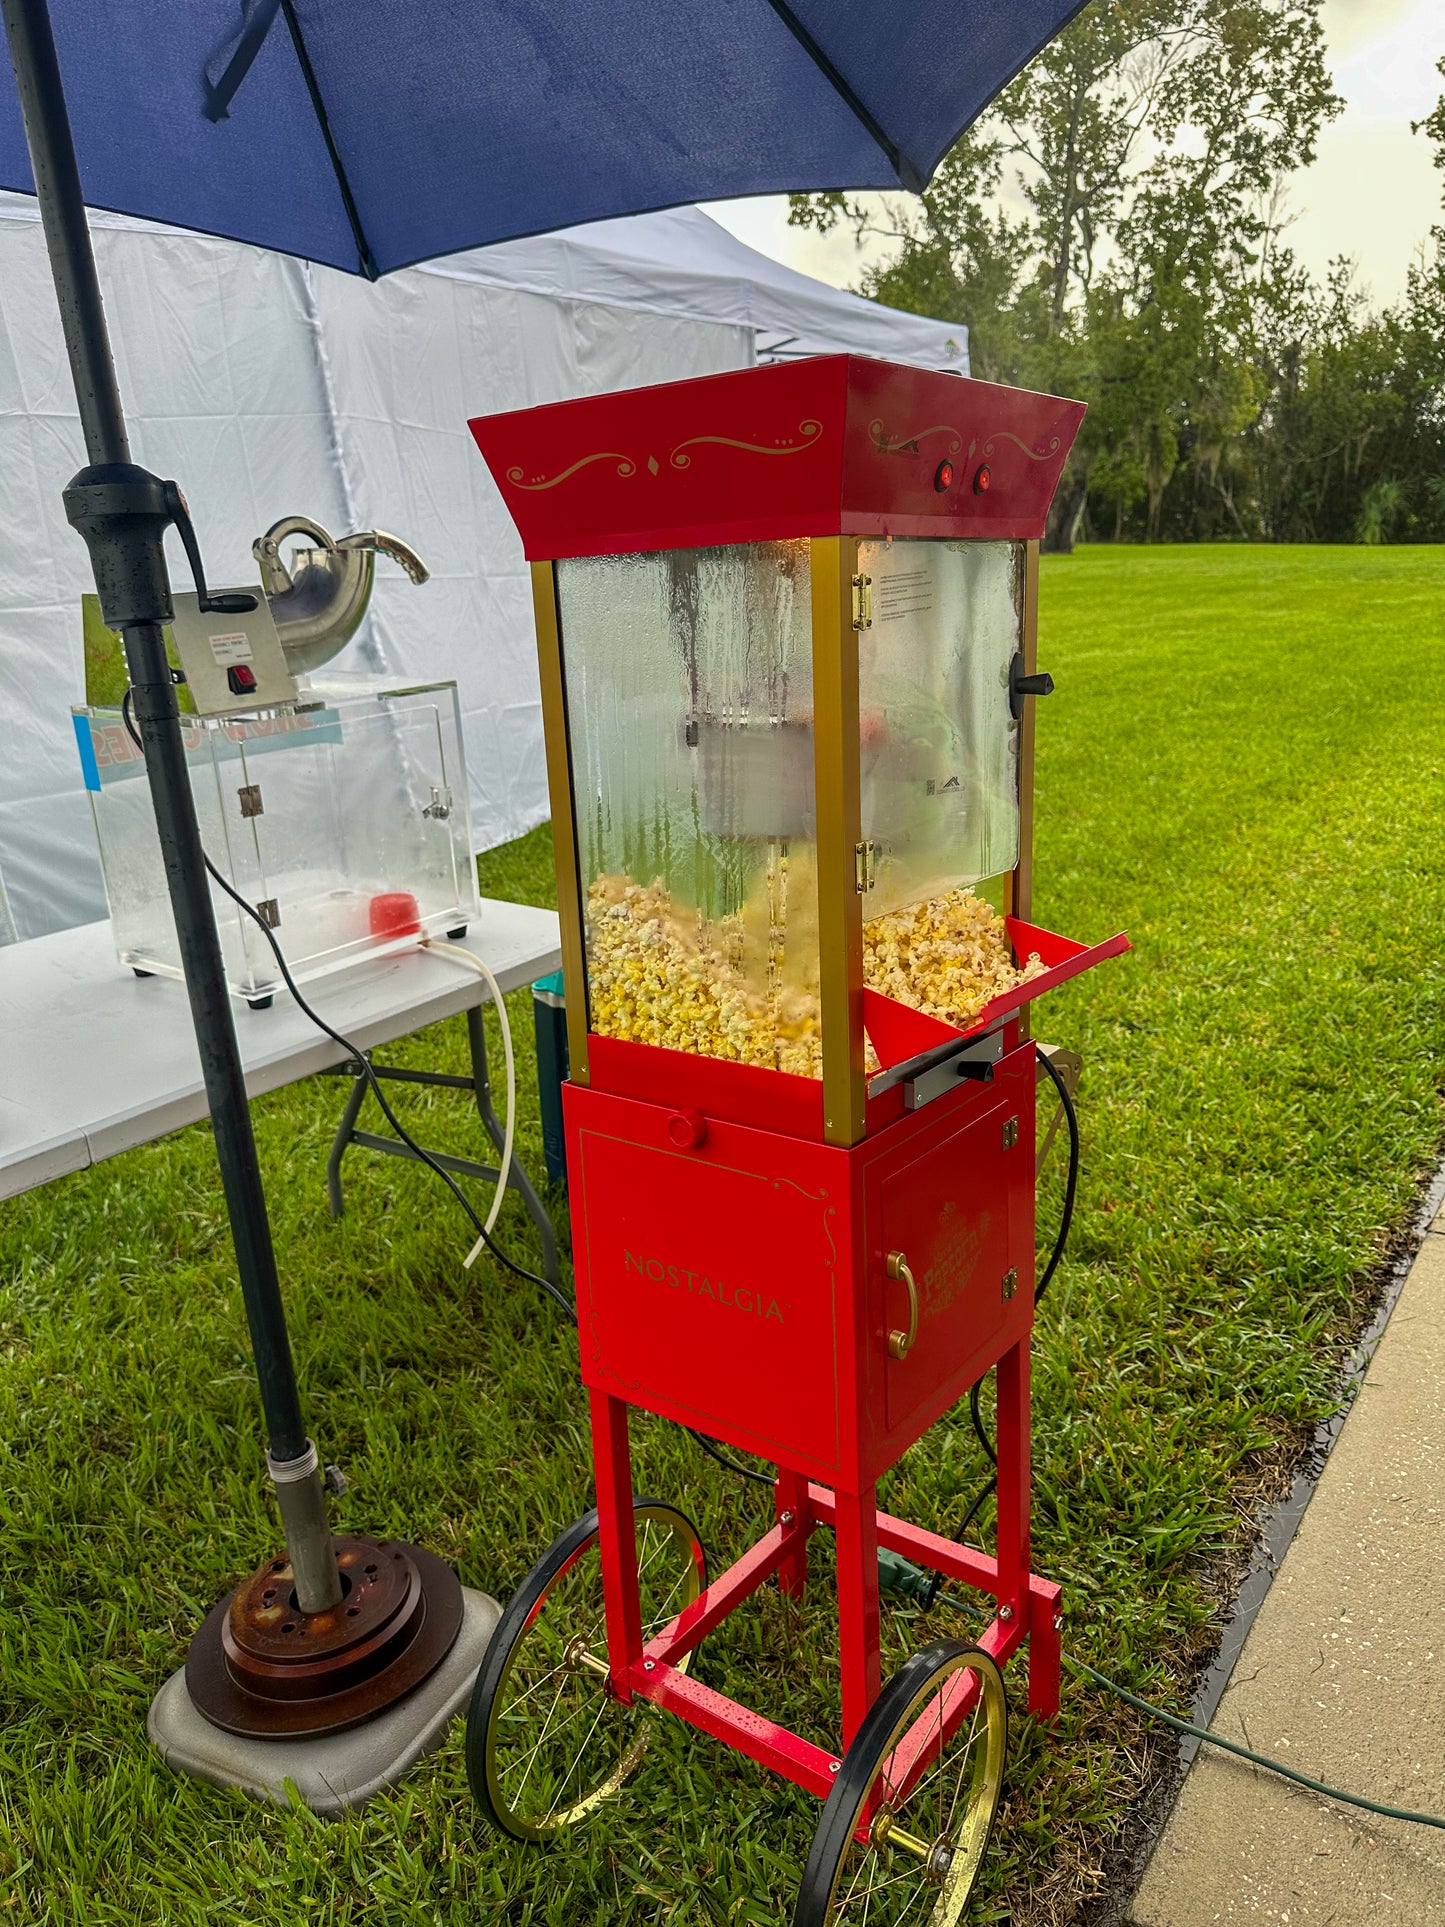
(1021, 685)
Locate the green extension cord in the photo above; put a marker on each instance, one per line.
(1243, 1752)
(900, 1576)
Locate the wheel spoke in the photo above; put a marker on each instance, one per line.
(912, 1872)
(858, 1872)
(941, 1764)
(581, 1750)
(963, 1761)
(880, 1881)
(552, 1751)
(546, 1727)
(649, 1559)
(535, 1687)
(663, 1616)
(570, 1719)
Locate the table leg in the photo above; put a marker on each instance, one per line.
(478, 1082)
(355, 1099)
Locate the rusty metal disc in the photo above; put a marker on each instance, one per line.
(260, 1667)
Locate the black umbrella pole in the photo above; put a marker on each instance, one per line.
(114, 506)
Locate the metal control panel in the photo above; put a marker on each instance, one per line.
(231, 662)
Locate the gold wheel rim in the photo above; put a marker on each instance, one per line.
(557, 1744)
(921, 1859)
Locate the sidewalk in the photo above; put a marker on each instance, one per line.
(1342, 1676)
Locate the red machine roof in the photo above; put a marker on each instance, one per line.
(836, 445)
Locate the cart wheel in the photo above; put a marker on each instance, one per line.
(917, 1859)
(546, 1742)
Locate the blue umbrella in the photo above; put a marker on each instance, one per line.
(368, 134)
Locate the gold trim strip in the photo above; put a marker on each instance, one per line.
(834, 562)
(564, 830)
(1021, 890)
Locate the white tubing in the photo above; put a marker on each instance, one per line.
(459, 950)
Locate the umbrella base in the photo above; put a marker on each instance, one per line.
(330, 1772)
(262, 1668)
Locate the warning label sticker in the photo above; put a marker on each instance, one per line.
(230, 649)
(905, 592)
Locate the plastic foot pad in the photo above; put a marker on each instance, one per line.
(334, 1771)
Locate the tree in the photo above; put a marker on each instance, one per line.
(1147, 274)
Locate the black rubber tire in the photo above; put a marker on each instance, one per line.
(871, 1744)
(516, 1617)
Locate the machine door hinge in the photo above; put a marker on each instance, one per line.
(1010, 1282)
(863, 866)
(862, 602)
(250, 795)
(269, 911)
(440, 806)
(1010, 1133)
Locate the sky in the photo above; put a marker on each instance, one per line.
(1371, 193)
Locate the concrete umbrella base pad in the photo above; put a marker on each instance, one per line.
(335, 1771)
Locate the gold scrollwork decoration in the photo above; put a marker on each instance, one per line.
(886, 444)
(1034, 454)
(625, 467)
(830, 1211)
(808, 431)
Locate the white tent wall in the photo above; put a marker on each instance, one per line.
(268, 388)
(217, 365)
(408, 361)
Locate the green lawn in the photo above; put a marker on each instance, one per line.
(1243, 766)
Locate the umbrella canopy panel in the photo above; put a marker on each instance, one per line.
(369, 134)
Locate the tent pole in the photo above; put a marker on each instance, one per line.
(122, 513)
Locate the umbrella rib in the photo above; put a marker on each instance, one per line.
(907, 173)
(348, 200)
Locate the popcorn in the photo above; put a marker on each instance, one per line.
(733, 987)
(947, 957)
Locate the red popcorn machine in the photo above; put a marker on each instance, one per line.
(786, 627)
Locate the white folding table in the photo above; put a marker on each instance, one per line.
(94, 1060)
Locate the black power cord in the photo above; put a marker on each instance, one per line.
(1071, 1183)
(362, 1063)
(730, 1465)
(1046, 1278)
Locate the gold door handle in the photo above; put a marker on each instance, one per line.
(900, 1344)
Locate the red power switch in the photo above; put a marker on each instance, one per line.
(242, 679)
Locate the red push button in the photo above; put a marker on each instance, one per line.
(242, 679)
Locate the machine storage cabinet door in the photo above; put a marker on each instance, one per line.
(955, 1212)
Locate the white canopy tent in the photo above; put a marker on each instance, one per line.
(682, 262)
(268, 387)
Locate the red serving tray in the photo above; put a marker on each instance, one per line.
(898, 1032)
(781, 1101)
